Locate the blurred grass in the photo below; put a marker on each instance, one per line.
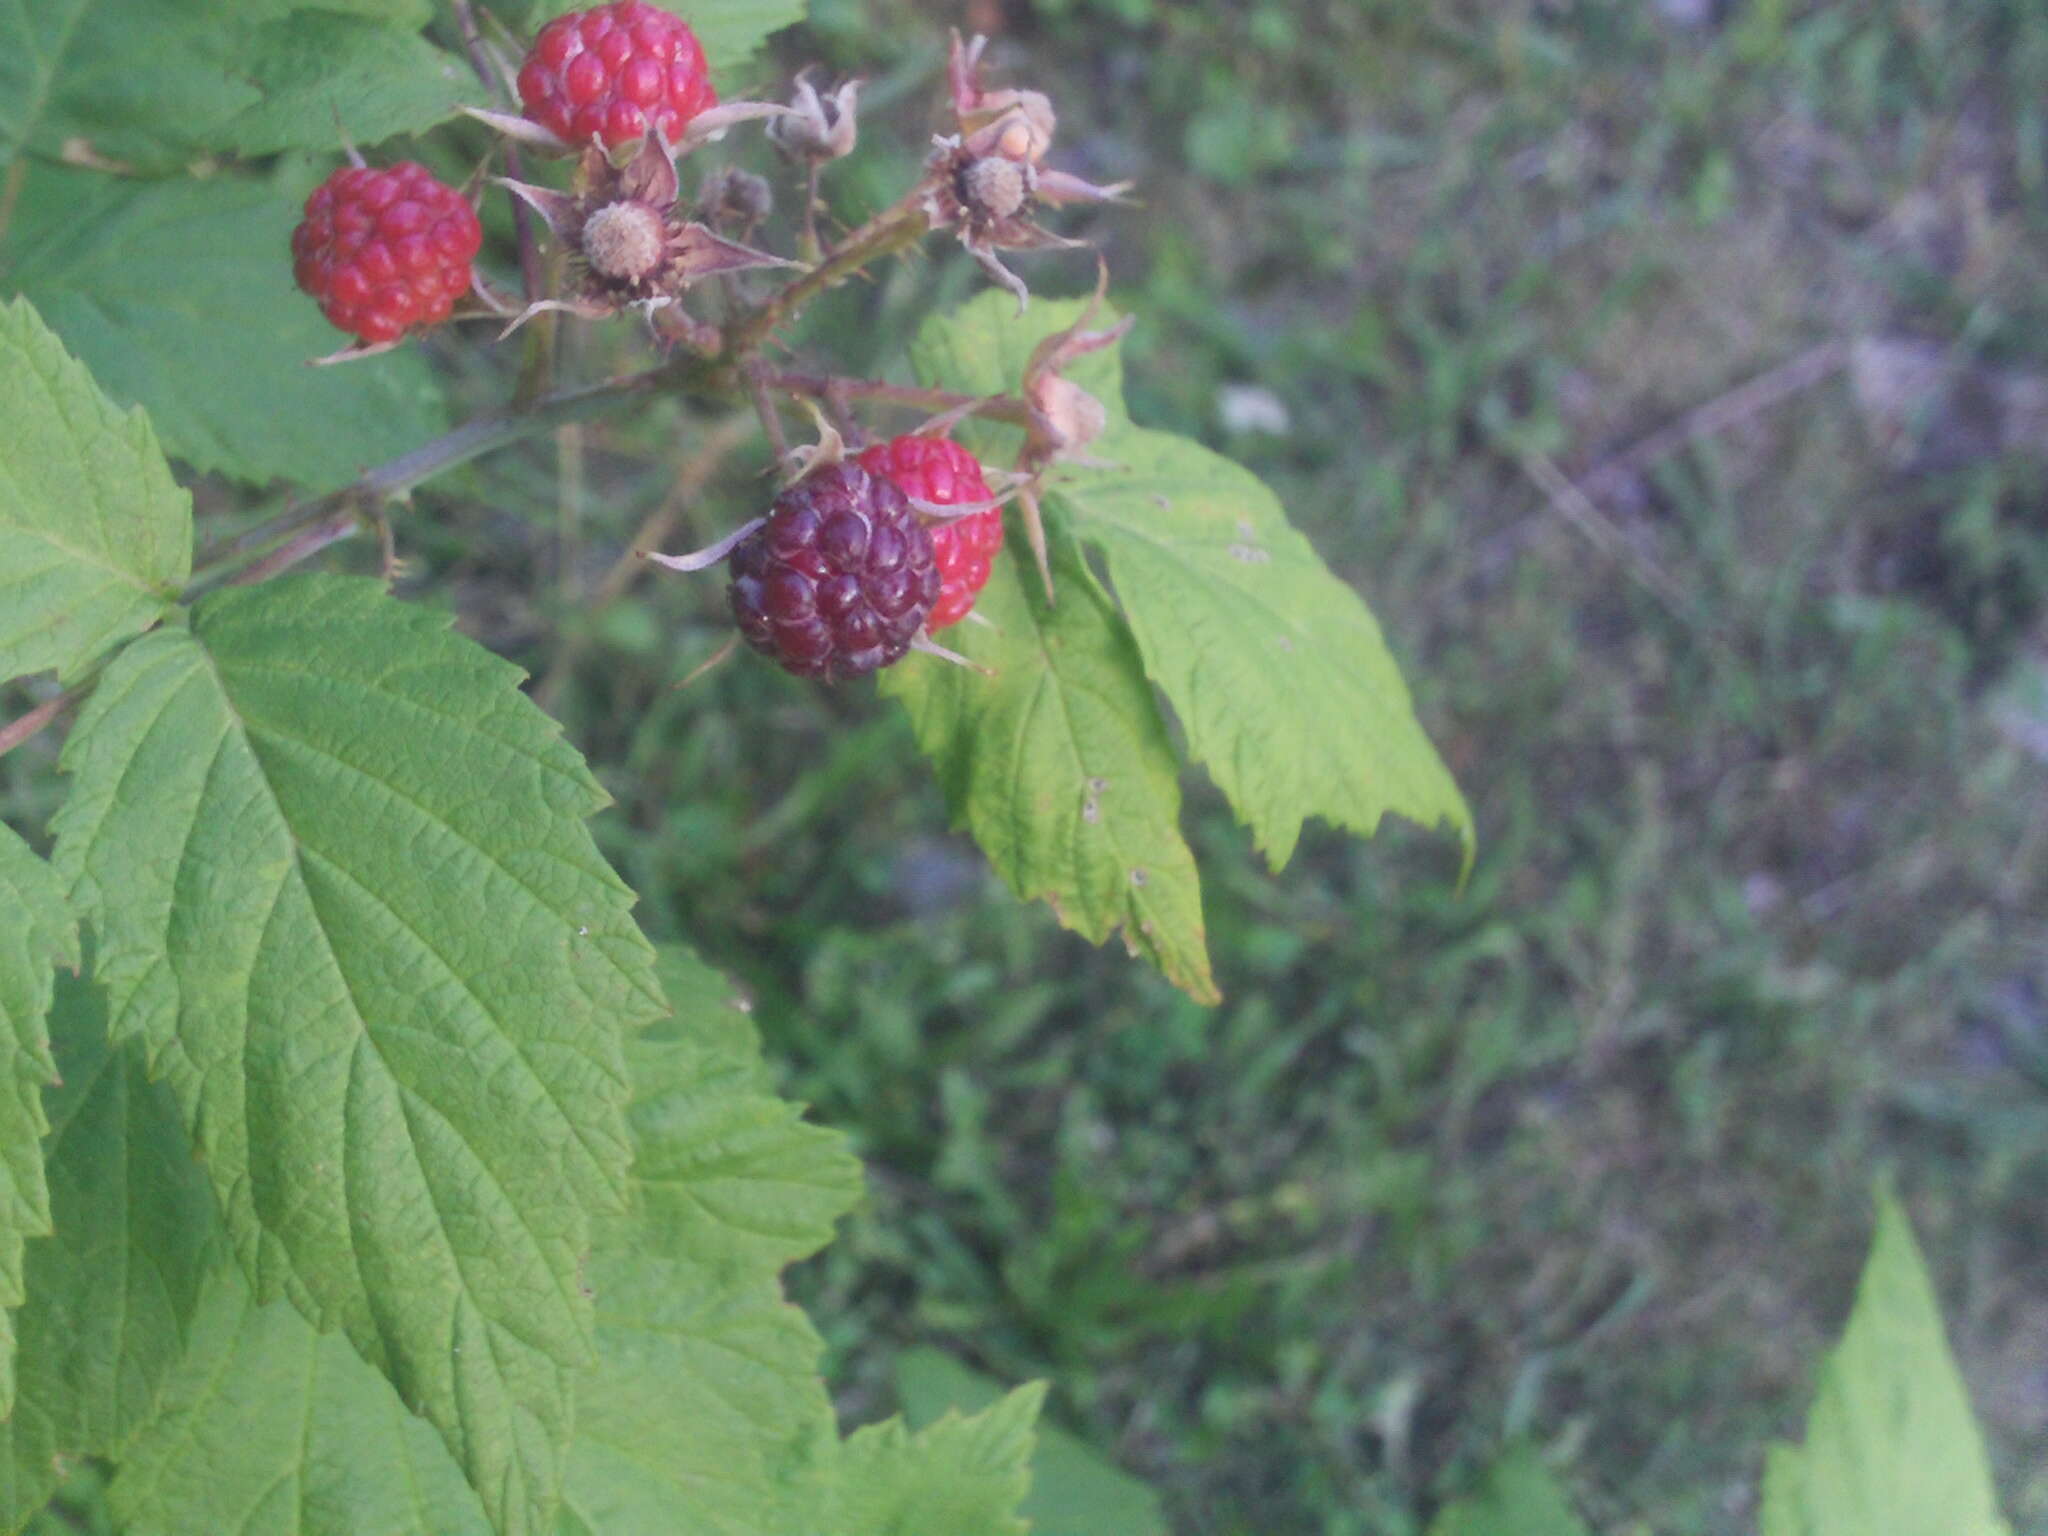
(1584, 1151)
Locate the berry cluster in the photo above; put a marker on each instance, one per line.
(840, 578)
(940, 471)
(385, 251)
(859, 560)
(613, 72)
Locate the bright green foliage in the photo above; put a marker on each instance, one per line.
(95, 538)
(337, 867)
(156, 84)
(730, 30)
(112, 1291)
(962, 1476)
(270, 1428)
(705, 1401)
(1276, 669)
(316, 70)
(1059, 763)
(36, 934)
(1520, 1498)
(1075, 1491)
(1891, 1446)
(704, 1413)
(178, 295)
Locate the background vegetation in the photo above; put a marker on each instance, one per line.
(1748, 689)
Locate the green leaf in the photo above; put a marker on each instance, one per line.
(112, 1292)
(152, 85)
(95, 538)
(338, 871)
(1519, 1498)
(1075, 1490)
(36, 934)
(704, 1412)
(704, 1402)
(1891, 1446)
(732, 31)
(319, 77)
(1277, 670)
(179, 297)
(731, 1180)
(960, 1476)
(270, 1428)
(1059, 763)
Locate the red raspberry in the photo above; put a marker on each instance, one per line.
(936, 469)
(839, 580)
(613, 71)
(385, 251)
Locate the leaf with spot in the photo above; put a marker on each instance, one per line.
(95, 537)
(1277, 670)
(1892, 1448)
(1058, 762)
(37, 934)
(337, 867)
(114, 1288)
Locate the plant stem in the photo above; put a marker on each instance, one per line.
(19, 729)
(301, 546)
(720, 442)
(903, 224)
(468, 441)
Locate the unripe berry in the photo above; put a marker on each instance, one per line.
(624, 241)
(994, 187)
(385, 251)
(940, 471)
(614, 71)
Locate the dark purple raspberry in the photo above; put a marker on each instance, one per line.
(839, 580)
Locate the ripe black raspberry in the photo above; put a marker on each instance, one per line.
(614, 71)
(840, 578)
(940, 471)
(385, 251)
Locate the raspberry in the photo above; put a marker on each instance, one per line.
(614, 71)
(939, 470)
(385, 251)
(839, 579)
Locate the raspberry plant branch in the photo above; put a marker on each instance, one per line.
(894, 229)
(22, 727)
(473, 439)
